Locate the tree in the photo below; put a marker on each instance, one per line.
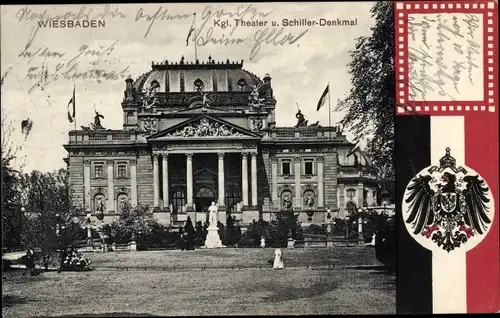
(285, 226)
(46, 200)
(370, 102)
(134, 222)
(231, 235)
(11, 206)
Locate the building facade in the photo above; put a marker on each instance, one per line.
(202, 132)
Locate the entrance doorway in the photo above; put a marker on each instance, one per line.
(204, 198)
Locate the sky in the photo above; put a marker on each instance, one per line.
(96, 61)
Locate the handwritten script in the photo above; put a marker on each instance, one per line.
(445, 57)
(207, 33)
(45, 65)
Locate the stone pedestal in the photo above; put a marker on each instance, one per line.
(133, 246)
(213, 239)
(291, 243)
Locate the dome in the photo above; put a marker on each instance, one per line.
(190, 76)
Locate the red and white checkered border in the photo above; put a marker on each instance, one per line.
(490, 32)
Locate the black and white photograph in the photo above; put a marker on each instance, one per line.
(198, 159)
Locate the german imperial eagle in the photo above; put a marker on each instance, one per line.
(448, 205)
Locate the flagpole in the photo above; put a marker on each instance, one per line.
(329, 111)
(195, 38)
(74, 106)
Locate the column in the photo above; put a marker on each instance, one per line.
(341, 191)
(244, 179)
(111, 190)
(133, 182)
(361, 194)
(253, 164)
(274, 182)
(298, 195)
(156, 182)
(189, 181)
(221, 179)
(321, 191)
(86, 185)
(360, 227)
(165, 181)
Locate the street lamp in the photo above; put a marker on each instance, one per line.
(347, 230)
(89, 229)
(360, 223)
(328, 225)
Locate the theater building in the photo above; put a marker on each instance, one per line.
(197, 132)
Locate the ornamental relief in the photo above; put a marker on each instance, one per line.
(87, 153)
(210, 146)
(98, 190)
(150, 125)
(288, 187)
(256, 123)
(123, 190)
(309, 187)
(205, 128)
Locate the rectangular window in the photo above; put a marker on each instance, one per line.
(122, 170)
(286, 167)
(308, 167)
(98, 171)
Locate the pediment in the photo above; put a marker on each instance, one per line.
(204, 173)
(204, 126)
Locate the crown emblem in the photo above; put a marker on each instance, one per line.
(447, 161)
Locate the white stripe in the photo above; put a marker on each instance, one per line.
(449, 280)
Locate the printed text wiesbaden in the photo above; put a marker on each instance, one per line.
(72, 24)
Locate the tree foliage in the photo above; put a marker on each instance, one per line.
(133, 223)
(11, 206)
(45, 199)
(285, 226)
(370, 102)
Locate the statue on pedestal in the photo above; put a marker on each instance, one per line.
(212, 219)
(213, 238)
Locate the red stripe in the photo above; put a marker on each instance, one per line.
(483, 262)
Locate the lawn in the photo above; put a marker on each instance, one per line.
(207, 282)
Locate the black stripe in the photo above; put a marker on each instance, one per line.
(414, 262)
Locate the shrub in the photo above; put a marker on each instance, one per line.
(385, 242)
(231, 234)
(160, 236)
(278, 231)
(316, 229)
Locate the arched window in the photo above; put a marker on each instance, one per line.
(351, 193)
(99, 203)
(198, 84)
(242, 83)
(351, 207)
(286, 200)
(122, 202)
(232, 198)
(309, 199)
(178, 200)
(205, 192)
